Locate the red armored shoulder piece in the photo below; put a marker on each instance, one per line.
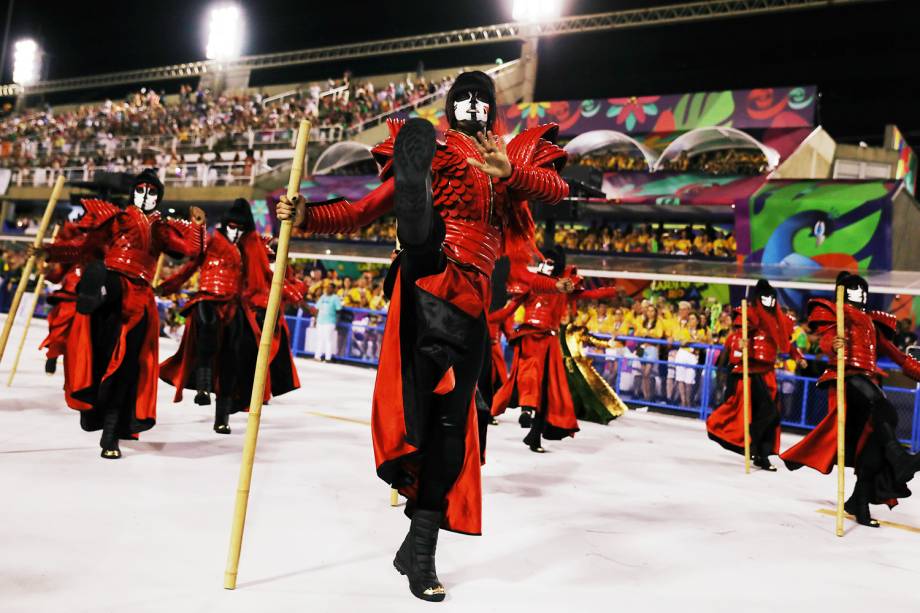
(536, 146)
(97, 212)
(821, 311)
(886, 323)
(383, 151)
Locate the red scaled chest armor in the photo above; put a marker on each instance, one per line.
(222, 269)
(545, 311)
(470, 202)
(862, 340)
(132, 251)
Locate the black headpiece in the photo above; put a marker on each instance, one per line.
(241, 214)
(763, 289)
(850, 281)
(466, 82)
(149, 176)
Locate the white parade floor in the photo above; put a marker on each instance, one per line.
(643, 515)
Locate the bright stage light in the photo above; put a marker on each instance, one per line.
(225, 32)
(535, 10)
(27, 62)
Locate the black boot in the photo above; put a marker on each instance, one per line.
(762, 460)
(534, 438)
(858, 506)
(526, 418)
(203, 384)
(904, 464)
(413, 152)
(109, 439)
(51, 366)
(222, 415)
(415, 557)
(91, 290)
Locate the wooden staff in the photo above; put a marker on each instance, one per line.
(394, 497)
(159, 271)
(745, 387)
(841, 412)
(258, 382)
(36, 294)
(30, 263)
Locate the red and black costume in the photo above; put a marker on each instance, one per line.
(769, 335)
(116, 325)
(424, 419)
(538, 378)
(63, 303)
(220, 342)
(882, 466)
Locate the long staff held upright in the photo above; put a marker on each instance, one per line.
(258, 383)
(746, 386)
(841, 413)
(36, 294)
(30, 263)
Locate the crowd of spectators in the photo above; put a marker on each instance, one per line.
(685, 240)
(100, 135)
(721, 162)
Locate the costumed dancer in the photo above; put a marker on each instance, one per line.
(883, 467)
(116, 324)
(218, 350)
(538, 375)
(770, 334)
(459, 206)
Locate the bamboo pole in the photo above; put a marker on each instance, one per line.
(36, 294)
(30, 263)
(159, 271)
(394, 497)
(258, 383)
(841, 413)
(746, 387)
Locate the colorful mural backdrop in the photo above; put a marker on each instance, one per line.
(822, 224)
(755, 109)
(678, 188)
(907, 159)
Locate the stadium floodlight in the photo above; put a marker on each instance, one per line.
(27, 60)
(225, 32)
(535, 10)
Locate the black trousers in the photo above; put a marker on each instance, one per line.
(875, 481)
(439, 336)
(222, 347)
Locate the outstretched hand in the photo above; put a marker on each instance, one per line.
(494, 154)
(197, 215)
(565, 286)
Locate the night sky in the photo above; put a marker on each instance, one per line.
(864, 58)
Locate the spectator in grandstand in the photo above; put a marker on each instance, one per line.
(651, 327)
(327, 313)
(689, 357)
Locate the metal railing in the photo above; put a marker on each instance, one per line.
(203, 174)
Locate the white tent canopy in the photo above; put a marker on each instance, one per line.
(703, 140)
(340, 155)
(609, 140)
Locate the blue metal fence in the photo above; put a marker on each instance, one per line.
(803, 404)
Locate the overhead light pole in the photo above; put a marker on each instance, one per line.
(529, 13)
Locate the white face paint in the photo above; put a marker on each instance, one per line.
(233, 233)
(471, 109)
(768, 301)
(145, 197)
(546, 267)
(856, 295)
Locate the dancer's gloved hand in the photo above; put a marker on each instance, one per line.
(292, 208)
